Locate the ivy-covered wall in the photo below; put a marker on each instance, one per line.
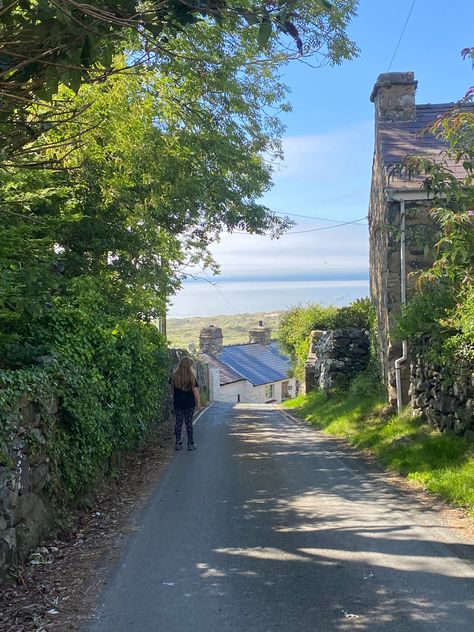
(53, 452)
(102, 390)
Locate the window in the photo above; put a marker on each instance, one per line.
(269, 391)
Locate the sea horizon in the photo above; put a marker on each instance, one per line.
(223, 298)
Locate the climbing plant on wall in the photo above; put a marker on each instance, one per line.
(443, 306)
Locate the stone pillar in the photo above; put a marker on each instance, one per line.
(310, 365)
(394, 96)
(260, 334)
(210, 339)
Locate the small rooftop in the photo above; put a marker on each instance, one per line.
(257, 363)
(226, 373)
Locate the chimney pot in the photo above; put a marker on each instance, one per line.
(394, 96)
(210, 339)
(260, 334)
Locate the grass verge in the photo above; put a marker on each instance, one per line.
(442, 463)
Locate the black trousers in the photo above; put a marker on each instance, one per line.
(184, 415)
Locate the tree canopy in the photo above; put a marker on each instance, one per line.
(46, 43)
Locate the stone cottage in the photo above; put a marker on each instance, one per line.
(254, 372)
(399, 222)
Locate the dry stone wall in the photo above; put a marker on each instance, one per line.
(444, 400)
(25, 508)
(335, 357)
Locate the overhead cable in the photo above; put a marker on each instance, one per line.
(401, 35)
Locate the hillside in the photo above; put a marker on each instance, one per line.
(182, 331)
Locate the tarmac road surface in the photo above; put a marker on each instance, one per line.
(272, 526)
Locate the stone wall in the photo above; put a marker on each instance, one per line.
(385, 273)
(335, 357)
(445, 401)
(25, 508)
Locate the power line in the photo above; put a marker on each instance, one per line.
(322, 219)
(216, 287)
(401, 35)
(312, 230)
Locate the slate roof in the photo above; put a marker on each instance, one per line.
(256, 363)
(398, 139)
(227, 375)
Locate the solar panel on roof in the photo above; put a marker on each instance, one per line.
(256, 363)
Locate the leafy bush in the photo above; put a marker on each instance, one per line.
(357, 315)
(295, 327)
(110, 378)
(441, 313)
(369, 381)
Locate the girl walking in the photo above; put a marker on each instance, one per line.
(185, 399)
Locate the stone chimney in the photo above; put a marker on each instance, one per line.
(394, 96)
(210, 339)
(260, 334)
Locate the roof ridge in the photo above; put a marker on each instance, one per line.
(241, 344)
(436, 105)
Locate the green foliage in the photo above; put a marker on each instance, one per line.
(442, 463)
(139, 201)
(295, 327)
(46, 45)
(109, 376)
(369, 381)
(357, 315)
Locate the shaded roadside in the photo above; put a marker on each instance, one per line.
(58, 586)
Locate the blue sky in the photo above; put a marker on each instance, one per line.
(329, 142)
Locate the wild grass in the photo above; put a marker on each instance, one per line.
(235, 328)
(441, 463)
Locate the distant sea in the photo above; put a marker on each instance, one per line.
(203, 299)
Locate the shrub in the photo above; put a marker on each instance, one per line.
(357, 315)
(295, 327)
(110, 378)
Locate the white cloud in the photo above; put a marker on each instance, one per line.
(334, 156)
(340, 252)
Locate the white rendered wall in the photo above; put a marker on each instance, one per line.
(252, 394)
(230, 392)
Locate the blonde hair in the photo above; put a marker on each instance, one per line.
(183, 377)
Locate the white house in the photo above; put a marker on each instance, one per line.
(255, 372)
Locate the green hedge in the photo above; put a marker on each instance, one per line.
(110, 378)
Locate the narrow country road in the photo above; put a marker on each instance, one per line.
(271, 526)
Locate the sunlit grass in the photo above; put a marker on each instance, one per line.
(442, 463)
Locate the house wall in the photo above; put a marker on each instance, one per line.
(230, 392)
(385, 273)
(252, 394)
